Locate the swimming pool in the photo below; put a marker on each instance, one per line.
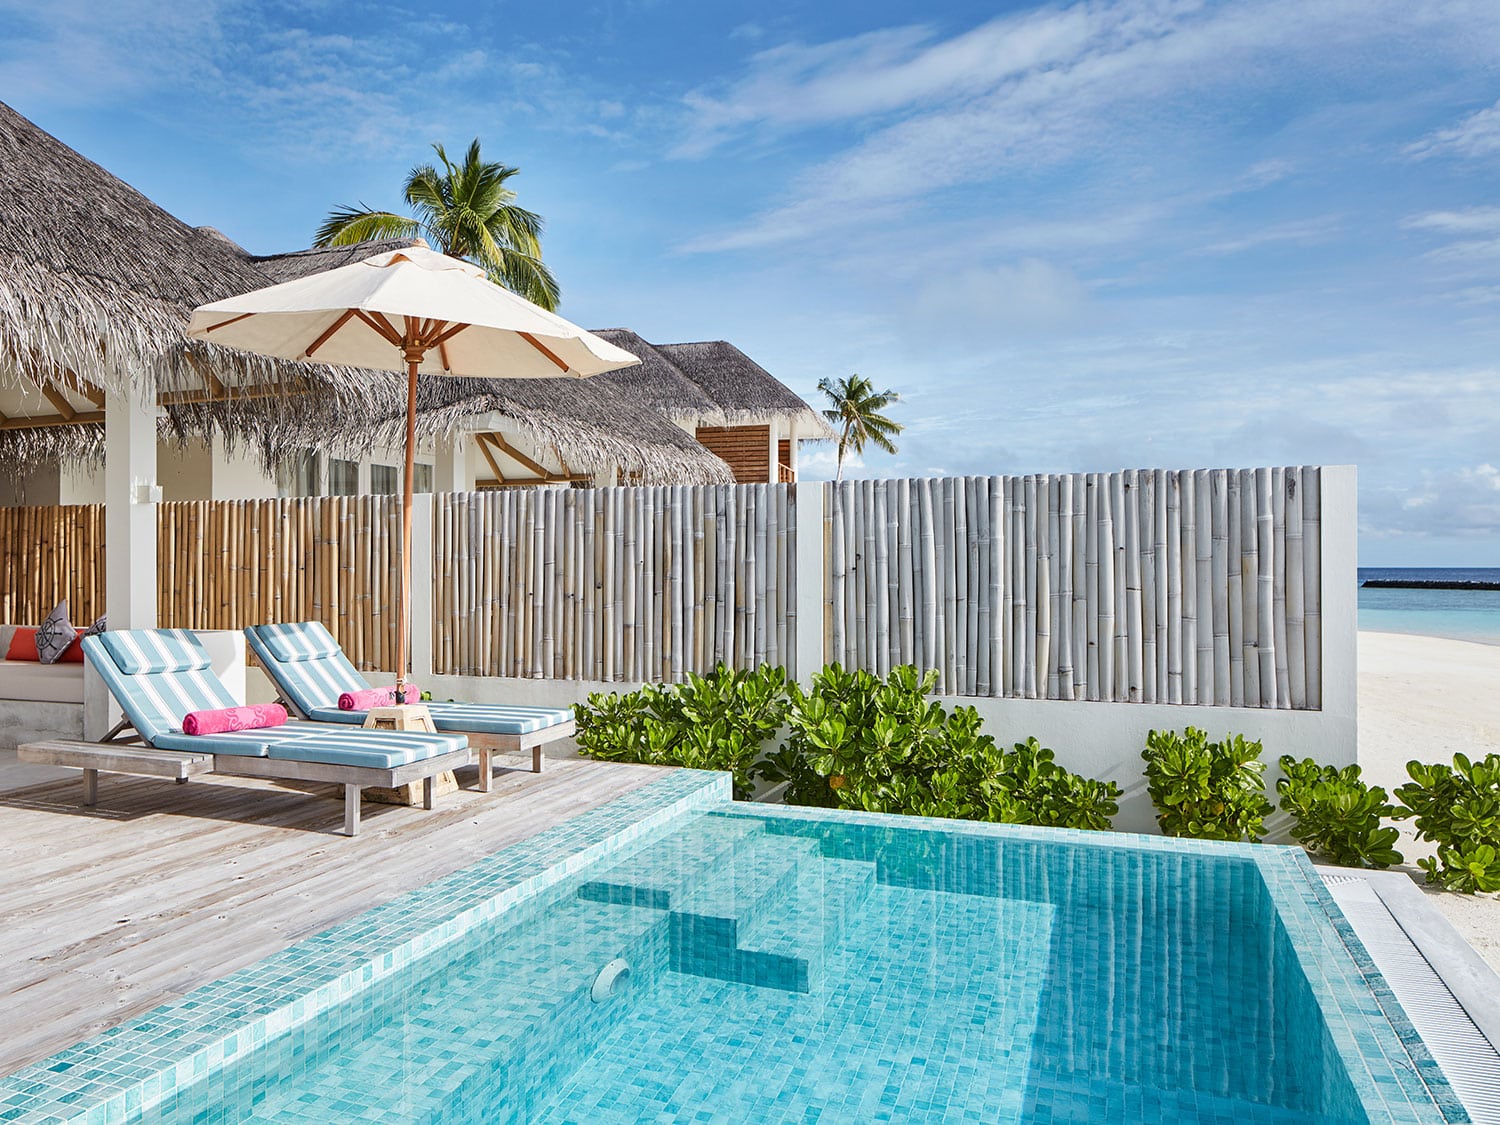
(677, 957)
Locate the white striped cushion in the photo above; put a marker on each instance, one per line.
(136, 651)
(299, 640)
(155, 702)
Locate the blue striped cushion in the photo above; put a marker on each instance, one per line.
(382, 749)
(310, 682)
(299, 640)
(311, 742)
(136, 651)
(155, 702)
(237, 743)
(472, 718)
(313, 683)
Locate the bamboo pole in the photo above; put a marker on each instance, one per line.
(1278, 572)
(1312, 577)
(1176, 689)
(1134, 601)
(1265, 583)
(1296, 633)
(1106, 565)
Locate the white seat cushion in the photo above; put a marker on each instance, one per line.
(41, 683)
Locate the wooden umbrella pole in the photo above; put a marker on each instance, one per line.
(403, 626)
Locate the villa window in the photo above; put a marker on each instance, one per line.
(421, 480)
(385, 480)
(343, 478)
(304, 477)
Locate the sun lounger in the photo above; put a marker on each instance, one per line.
(158, 676)
(311, 671)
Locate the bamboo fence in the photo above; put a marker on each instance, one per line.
(226, 564)
(1192, 587)
(48, 554)
(614, 583)
(1156, 586)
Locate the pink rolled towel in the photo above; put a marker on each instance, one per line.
(376, 697)
(234, 718)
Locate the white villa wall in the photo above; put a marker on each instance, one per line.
(1097, 739)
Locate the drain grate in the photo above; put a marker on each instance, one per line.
(1468, 1061)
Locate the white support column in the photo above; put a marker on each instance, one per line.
(131, 495)
(421, 589)
(1340, 609)
(774, 475)
(450, 470)
(809, 564)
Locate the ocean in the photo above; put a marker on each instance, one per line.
(1466, 615)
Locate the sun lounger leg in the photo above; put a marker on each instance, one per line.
(90, 787)
(351, 810)
(486, 768)
(536, 758)
(427, 785)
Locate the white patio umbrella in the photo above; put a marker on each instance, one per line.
(409, 310)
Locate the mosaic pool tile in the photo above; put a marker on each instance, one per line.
(791, 965)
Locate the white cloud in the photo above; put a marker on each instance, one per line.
(1476, 135)
(1468, 221)
(1028, 93)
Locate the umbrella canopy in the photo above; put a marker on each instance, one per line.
(414, 310)
(349, 316)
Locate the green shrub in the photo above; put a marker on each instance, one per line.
(860, 742)
(1336, 815)
(1209, 790)
(715, 722)
(1458, 808)
(1043, 792)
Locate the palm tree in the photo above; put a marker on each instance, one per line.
(464, 211)
(856, 411)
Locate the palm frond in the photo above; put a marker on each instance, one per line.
(349, 225)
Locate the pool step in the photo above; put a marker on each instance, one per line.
(815, 917)
(752, 907)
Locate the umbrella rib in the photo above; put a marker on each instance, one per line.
(344, 318)
(448, 335)
(380, 325)
(539, 346)
(227, 323)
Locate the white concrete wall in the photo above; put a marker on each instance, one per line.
(1102, 740)
(35, 489)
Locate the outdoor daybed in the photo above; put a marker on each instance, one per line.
(159, 676)
(311, 671)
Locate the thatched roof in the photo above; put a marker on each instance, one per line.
(302, 263)
(743, 391)
(591, 424)
(656, 383)
(96, 284)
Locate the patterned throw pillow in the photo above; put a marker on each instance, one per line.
(54, 634)
(97, 627)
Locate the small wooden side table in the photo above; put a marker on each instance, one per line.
(400, 716)
(406, 716)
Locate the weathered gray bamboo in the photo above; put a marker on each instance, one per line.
(1148, 586)
(1142, 586)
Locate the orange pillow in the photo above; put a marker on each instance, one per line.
(23, 647)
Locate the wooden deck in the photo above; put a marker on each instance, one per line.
(108, 912)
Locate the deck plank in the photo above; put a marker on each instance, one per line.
(108, 912)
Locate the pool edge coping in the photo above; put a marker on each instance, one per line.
(123, 1071)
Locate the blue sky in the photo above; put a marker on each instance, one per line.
(1074, 237)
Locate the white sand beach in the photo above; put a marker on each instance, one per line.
(1427, 698)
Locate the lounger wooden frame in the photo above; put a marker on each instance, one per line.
(131, 757)
(485, 745)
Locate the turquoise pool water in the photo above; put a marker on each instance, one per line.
(795, 966)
